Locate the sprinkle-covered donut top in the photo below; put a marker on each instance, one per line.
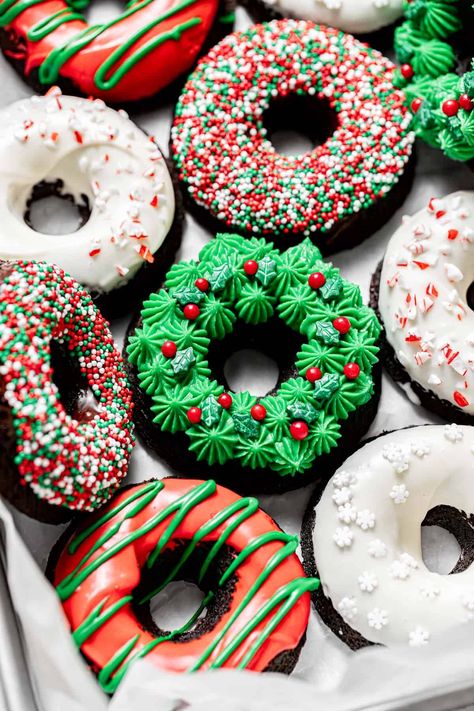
(367, 535)
(130, 57)
(76, 463)
(98, 153)
(441, 101)
(232, 170)
(427, 271)
(98, 571)
(356, 16)
(248, 279)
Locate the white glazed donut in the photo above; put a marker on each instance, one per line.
(99, 153)
(356, 16)
(367, 535)
(427, 270)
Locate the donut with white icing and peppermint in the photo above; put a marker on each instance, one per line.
(341, 191)
(362, 534)
(422, 294)
(101, 160)
(360, 17)
(66, 428)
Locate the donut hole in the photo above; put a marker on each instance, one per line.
(50, 209)
(266, 360)
(447, 540)
(75, 394)
(104, 11)
(297, 123)
(470, 296)
(186, 605)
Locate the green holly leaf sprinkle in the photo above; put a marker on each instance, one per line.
(303, 411)
(331, 288)
(210, 411)
(266, 270)
(219, 277)
(245, 425)
(326, 332)
(183, 360)
(187, 295)
(326, 386)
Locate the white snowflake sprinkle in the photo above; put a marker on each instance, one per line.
(409, 560)
(430, 591)
(418, 637)
(399, 493)
(399, 570)
(342, 496)
(347, 608)
(377, 618)
(377, 548)
(367, 581)
(420, 448)
(468, 600)
(342, 479)
(343, 537)
(347, 513)
(453, 432)
(397, 456)
(365, 519)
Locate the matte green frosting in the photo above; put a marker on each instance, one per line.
(278, 288)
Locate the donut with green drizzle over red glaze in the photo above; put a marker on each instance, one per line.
(131, 57)
(256, 594)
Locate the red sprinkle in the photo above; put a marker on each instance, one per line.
(460, 399)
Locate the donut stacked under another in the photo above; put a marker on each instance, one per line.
(256, 603)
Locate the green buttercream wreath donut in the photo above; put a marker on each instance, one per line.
(325, 398)
(441, 101)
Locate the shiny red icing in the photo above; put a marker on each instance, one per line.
(118, 576)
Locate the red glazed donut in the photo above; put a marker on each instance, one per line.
(131, 57)
(256, 596)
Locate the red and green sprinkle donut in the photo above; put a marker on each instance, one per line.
(248, 280)
(231, 169)
(66, 462)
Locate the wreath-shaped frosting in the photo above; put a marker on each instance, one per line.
(441, 101)
(248, 279)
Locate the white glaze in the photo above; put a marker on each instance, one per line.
(427, 304)
(368, 550)
(356, 16)
(98, 152)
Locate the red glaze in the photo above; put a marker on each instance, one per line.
(119, 575)
(148, 76)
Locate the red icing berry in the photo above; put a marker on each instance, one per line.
(258, 412)
(465, 102)
(351, 371)
(194, 415)
(250, 267)
(191, 311)
(313, 374)
(406, 71)
(225, 400)
(415, 105)
(342, 324)
(299, 430)
(169, 349)
(202, 284)
(316, 280)
(450, 107)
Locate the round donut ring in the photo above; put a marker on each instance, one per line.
(67, 461)
(256, 599)
(131, 57)
(342, 190)
(362, 537)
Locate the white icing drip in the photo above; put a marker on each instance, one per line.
(377, 578)
(97, 152)
(423, 298)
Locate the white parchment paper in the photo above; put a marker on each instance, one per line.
(41, 668)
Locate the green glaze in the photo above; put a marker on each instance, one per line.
(230, 518)
(279, 289)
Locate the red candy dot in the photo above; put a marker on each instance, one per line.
(169, 349)
(299, 430)
(415, 105)
(202, 284)
(316, 280)
(351, 371)
(450, 107)
(313, 374)
(465, 102)
(258, 412)
(194, 415)
(225, 400)
(250, 267)
(407, 71)
(191, 311)
(341, 324)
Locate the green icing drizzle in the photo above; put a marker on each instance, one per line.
(230, 518)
